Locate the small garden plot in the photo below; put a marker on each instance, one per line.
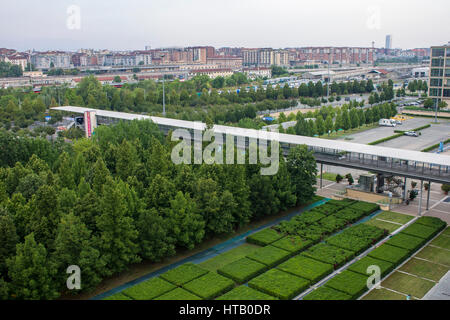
(442, 241)
(279, 284)
(309, 217)
(349, 215)
(264, 237)
(329, 254)
(325, 293)
(362, 265)
(332, 223)
(178, 294)
(421, 231)
(394, 217)
(313, 233)
(436, 255)
(370, 233)
(228, 257)
(293, 244)
(391, 254)
(306, 268)
(209, 286)
(326, 209)
(269, 255)
(432, 222)
(149, 289)
(349, 242)
(425, 269)
(383, 294)
(245, 293)
(365, 207)
(183, 274)
(406, 241)
(117, 297)
(390, 227)
(352, 283)
(408, 284)
(242, 270)
(341, 203)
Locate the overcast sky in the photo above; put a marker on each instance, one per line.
(133, 24)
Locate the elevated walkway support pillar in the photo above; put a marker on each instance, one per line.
(420, 199)
(405, 190)
(321, 175)
(428, 197)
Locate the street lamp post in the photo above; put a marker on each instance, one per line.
(436, 107)
(164, 91)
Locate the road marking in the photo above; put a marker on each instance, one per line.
(400, 224)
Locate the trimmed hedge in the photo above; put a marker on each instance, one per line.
(293, 244)
(325, 293)
(149, 289)
(352, 283)
(264, 237)
(279, 284)
(117, 297)
(421, 231)
(245, 293)
(390, 253)
(332, 223)
(269, 255)
(209, 286)
(405, 241)
(329, 254)
(314, 233)
(365, 207)
(432, 222)
(178, 294)
(242, 270)
(395, 136)
(307, 268)
(183, 274)
(362, 265)
(364, 231)
(350, 215)
(350, 243)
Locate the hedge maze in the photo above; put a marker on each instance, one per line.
(293, 256)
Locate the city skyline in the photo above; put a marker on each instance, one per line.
(70, 25)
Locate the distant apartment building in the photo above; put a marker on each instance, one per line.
(265, 57)
(55, 59)
(439, 83)
(18, 59)
(212, 73)
(258, 72)
(226, 62)
(388, 44)
(336, 55)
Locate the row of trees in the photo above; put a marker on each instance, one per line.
(8, 69)
(105, 203)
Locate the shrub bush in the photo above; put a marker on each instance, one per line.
(365, 207)
(246, 293)
(178, 294)
(389, 253)
(242, 270)
(421, 231)
(350, 243)
(432, 222)
(264, 237)
(306, 268)
(405, 241)
(183, 274)
(325, 293)
(332, 223)
(364, 231)
(209, 286)
(352, 283)
(362, 265)
(328, 254)
(293, 244)
(279, 284)
(149, 289)
(269, 255)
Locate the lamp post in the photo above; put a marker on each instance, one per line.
(164, 92)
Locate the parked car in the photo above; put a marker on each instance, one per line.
(387, 123)
(411, 134)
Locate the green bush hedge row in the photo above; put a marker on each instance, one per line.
(242, 270)
(329, 254)
(209, 286)
(149, 289)
(390, 253)
(362, 265)
(264, 237)
(279, 284)
(405, 241)
(178, 294)
(293, 244)
(395, 136)
(306, 268)
(246, 293)
(324, 293)
(269, 255)
(349, 282)
(421, 231)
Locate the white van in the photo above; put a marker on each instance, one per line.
(387, 123)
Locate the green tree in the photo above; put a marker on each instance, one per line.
(303, 170)
(328, 124)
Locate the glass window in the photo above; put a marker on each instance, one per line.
(437, 72)
(434, 92)
(437, 62)
(436, 82)
(446, 92)
(447, 72)
(438, 52)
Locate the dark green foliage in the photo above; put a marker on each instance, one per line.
(421, 231)
(405, 241)
(178, 294)
(243, 293)
(117, 297)
(350, 243)
(329, 254)
(391, 254)
(269, 255)
(293, 244)
(351, 283)
(279, 284)
(362, 265)
(183, 274)
(432, 222)
(366, 232)
(242, 270)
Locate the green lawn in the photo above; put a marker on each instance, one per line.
(425, 269)
(391, 227)
(436, 255)
(328, 176)
(407, 284)
(442, 241)
(447, 231)
(383, 294)
(233, 255)
(394, 217)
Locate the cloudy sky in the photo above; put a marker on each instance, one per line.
(133, 24)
